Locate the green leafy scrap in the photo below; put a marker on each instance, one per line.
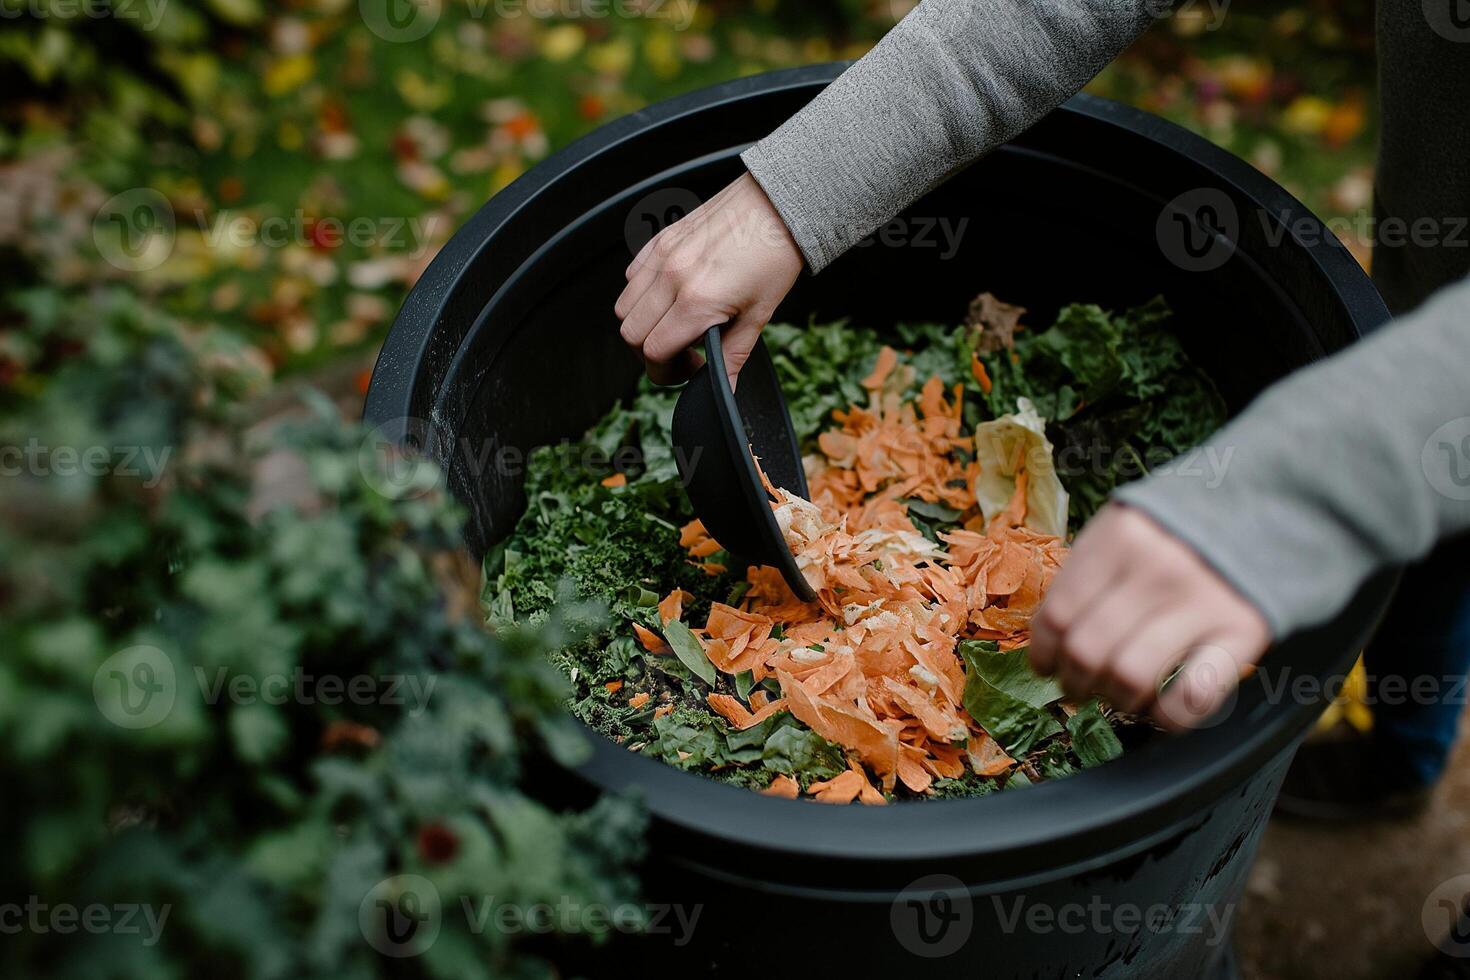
(687, 648)
(779, 745)
(1006, 698)
(1093, 738)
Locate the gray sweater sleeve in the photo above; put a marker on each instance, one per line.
(953, 80)
(1360, 461)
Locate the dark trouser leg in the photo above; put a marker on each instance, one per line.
(1418, 661)
(1423, 244)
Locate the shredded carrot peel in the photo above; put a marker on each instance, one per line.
(871, 664)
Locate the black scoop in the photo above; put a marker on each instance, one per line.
(715, 430)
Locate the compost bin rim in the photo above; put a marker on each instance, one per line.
(1011, 833)
(937, 828)
(393, 394)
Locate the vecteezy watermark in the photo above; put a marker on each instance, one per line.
(410, 235)
(404, 21)
(1450, 19)
(1208, 465)
(1198, 229)
(63, 919)
(135, 230)
(401, 21)
(37, 459)
(1100, 917)
(1445, 459)
(1202, 691)
(148, 13)
(138, 687)
(679, 14)
(1282, 685)
(405, 458)
(408, 691)
(1209, 13)
(397, 458)
(919, 231)
(402, 917)
(654, 212)
(1446, 917)
(569, 916)
(1424, 231)
(932, 917)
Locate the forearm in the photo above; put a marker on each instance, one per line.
(1355, 463)
(953, 80)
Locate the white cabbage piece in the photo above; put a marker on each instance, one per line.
(1004, 447)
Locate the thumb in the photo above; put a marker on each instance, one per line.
(738, 340)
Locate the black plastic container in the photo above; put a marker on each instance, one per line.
(1078, 209)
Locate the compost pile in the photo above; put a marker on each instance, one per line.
(946, 474)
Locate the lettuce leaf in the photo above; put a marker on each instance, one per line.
(1007, 698)
(1004, 447)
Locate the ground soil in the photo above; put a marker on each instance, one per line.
(1347, 902)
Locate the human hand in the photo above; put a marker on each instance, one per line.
(730, 259)
(1130, 604)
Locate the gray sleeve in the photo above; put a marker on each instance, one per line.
(1360, 461)
(953, 80)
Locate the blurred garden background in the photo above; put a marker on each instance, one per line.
(284, 170)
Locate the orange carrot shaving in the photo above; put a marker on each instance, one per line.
(613, 687)
(843, 788)
(738, 715)
(783, 786)
(649, 640)
(616, 480)
(872, 664)
(977, 368)
(639, 700)
(671, 607)
(1015, 513)
(887, 361)
(663, 709)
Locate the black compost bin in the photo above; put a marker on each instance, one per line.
(509, 340)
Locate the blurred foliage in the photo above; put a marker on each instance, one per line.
(250, 711)
(306, 168)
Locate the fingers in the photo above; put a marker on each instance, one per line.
(647, 313)
(1141, 663)
(639, 280)
(1094, 565)
(674, 371)
(640, 261)
(1205, 683)
(666, 351)
(1098, 637)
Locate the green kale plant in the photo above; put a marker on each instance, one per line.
(268, 726)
